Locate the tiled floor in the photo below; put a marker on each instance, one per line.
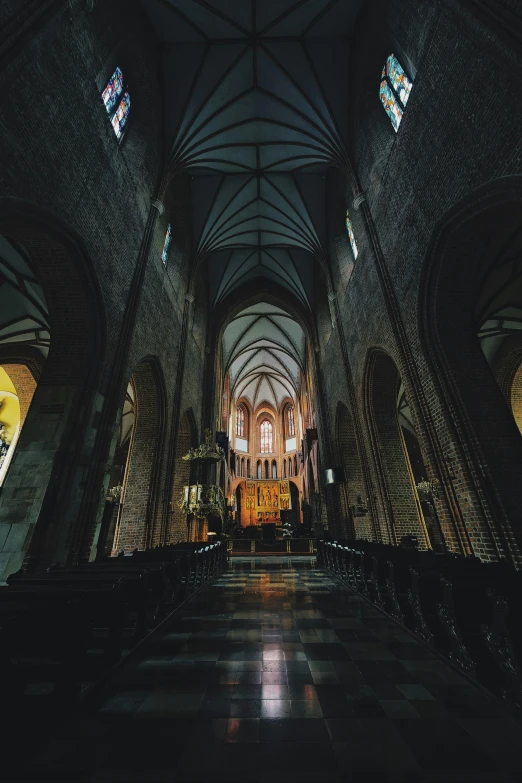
(275, 672)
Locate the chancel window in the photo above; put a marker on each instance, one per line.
(117, 102)
(395, 90)
(290, 421)
(240, 422)
(266, 437)
(351, 235)
(166, 245)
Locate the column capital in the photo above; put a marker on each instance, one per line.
(358, 200)
(157, 204)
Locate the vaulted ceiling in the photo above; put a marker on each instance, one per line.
(264, 351)
(24, 319)
(256, 109)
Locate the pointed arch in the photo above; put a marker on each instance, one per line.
(139, 524)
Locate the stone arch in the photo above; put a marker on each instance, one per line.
(41, 514)
(187, 438)
(355, 515)
(139, 524)
(400, 512)
(474, 254)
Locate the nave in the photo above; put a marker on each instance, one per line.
(274, 671)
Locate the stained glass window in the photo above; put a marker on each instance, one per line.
(166, 245)
(121, 116)
(351, 235)
(113, 90)
(240, 422)
(394, 90)
(291, 421)
(266, 438)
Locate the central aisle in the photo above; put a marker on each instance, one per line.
(275, 672)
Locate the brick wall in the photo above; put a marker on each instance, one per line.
(24, 383)
(516, 397)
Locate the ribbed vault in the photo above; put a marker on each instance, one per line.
(256, 109)
(264, 351)
(24, 319)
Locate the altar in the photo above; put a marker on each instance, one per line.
(265, 499)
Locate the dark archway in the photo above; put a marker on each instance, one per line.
(44, 512)
(400, 510)
(139, 524)
(355, 514)
(471, 295)
(294, 515)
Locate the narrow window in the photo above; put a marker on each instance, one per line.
(290, 467)
(117, 102)
(266, 437)
(258, 471)
(242, 467)
(395, 90)
(351, 235)
(166, 245)
(248, 469)
(113, 90)
(284, 468)
(274, 469)
(266, 469)
(290, 421)
(240, 422)
(119, 120)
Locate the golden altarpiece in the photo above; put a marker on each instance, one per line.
(265, 499)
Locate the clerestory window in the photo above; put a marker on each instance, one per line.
(266, 437)
(240, 422)
(395, 90)
(166, 245)
(117, 101)
(351, 235)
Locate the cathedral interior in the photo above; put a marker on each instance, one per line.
(261, 390)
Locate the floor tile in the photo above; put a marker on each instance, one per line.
(277, 673)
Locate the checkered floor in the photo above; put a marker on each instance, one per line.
(276, 672)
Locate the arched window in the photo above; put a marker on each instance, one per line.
(284, 468)
(242, 467)
(351, 235)
(290, 473)
(237, 466)
(258, 469)
(274, 469)
(266, 437)
(395, 90)
(166, 245)
(267, 475)
(248, 469)
(290, 422)
(240, 422)
(117, 102)
(295, 466)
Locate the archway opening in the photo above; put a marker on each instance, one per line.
(399, 502)
(137, 462)
(472, 313)
(355, 515)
